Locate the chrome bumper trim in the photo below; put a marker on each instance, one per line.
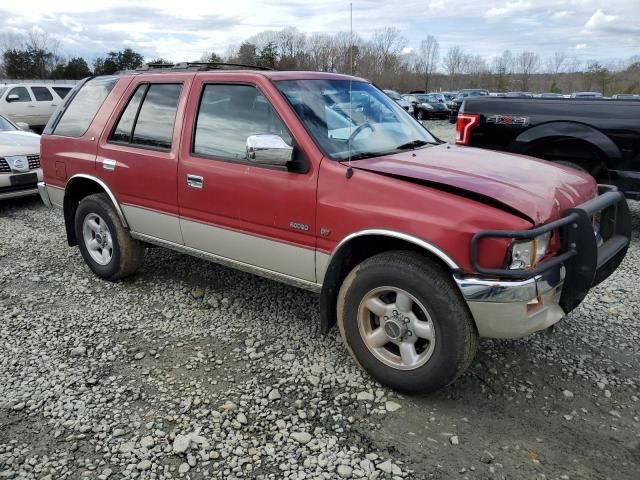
(513, 309)
(44, 194)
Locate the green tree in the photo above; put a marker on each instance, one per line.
(159, 61)
(126, 59)
(247, 54)
(554, 88)
(76, 68)
(268, 55)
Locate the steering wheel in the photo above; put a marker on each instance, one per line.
(359, 129)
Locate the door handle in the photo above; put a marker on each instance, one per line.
(195, 181)
(109, 164)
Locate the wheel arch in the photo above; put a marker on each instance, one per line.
(359, 246)
(78, 187)
(554, 131)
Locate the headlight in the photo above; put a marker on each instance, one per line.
(527, 253)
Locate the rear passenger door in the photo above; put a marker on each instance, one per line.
(257, 215)
(45, 104)
(20, 109)
(138, 156)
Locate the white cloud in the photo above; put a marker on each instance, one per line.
(581, 46)
(509, 9)
(561, 14)
(599, 20)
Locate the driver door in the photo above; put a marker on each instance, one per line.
(257, 215)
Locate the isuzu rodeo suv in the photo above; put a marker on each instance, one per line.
(416, 247)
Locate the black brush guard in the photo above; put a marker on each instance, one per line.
(587, 261)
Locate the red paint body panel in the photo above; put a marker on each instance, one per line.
(372, 201)
(540, 190)
(144, 177)
(78, 153)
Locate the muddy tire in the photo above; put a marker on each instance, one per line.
(403, 320)
(105, 244)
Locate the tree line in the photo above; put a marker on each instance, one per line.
(386, 58)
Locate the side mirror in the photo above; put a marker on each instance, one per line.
(268, 150)
(23, 126)
(13, 98)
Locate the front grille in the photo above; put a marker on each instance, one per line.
(34, 162)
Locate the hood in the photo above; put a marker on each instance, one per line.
(17, 142)
(539, 190)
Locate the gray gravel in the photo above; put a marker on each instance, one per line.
(192, 370)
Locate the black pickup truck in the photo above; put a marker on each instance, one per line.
(601, 137)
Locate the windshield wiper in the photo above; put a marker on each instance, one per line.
(412, 144)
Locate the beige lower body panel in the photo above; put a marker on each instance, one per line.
(279, 257)
(56, 196)
(155, 224)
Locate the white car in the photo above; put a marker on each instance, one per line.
(31, 103)
(400, 100)
(20, 169)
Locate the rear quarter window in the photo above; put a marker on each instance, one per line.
(82, 109)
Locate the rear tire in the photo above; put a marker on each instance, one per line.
(404, 321)
(105, 245)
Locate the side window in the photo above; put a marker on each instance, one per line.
(156, 118)
(124, 128)
(21, 92)
(80, 112)
(42, 94)
(227, 115)
(62, 91)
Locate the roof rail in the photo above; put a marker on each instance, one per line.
(197, 66)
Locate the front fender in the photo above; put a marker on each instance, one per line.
(572, 130)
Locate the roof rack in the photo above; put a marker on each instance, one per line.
(198, 66)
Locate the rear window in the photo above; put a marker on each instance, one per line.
(83, 107)
(62, 91)
(42, 94)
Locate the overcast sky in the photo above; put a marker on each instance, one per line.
(184, 29)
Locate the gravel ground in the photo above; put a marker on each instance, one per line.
(192, 370)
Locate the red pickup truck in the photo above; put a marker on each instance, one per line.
(319, 180)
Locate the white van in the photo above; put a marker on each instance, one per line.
(31, 103)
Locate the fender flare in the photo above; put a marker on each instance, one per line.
(572, 130)
(102, 185)
(330, 276)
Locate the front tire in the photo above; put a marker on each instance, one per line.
(421, 115)
(404, 322)
(105, 245)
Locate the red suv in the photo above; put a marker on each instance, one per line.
(320, 180)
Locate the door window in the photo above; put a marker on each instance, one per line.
(21, 92)
(227, 115)
(42, 94)
(62, 91)
(149, 117)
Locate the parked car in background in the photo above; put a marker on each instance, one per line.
(19, 161)
(592, 135)
(586, 95)
(31, 103)
(428, 106)
(400, 100)
(518, 95)
(415, 247)
(454, 105)
(551, 95)
(626, 96)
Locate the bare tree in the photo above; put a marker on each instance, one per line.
(502, 68)
(426, 60)
(527, 63)
(383, 51)
(454, 64)
(557, 63)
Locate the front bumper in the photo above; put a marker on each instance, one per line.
(513, 309)
(44, 194)
(512, 303)
(14, 191)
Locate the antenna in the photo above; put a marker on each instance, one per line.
(349, 173)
